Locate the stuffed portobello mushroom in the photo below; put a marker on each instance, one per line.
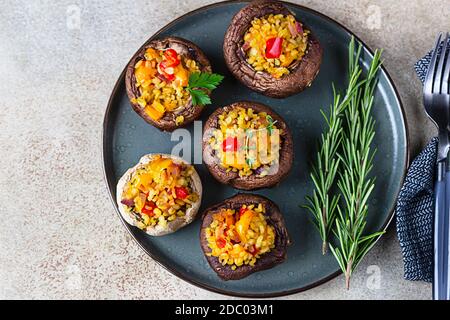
(271, 52)
(248, 146)
(157, 80)
(159, 195)
(242, 235)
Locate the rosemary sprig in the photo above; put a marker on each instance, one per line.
(321, 205)
(345, 159)
(355, 184)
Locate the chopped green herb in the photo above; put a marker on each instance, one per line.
(271, 124)
(199, 84)
(250, 161)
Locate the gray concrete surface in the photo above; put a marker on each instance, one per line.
(59, 236)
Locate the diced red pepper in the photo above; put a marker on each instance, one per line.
(242, 211)
(165, 68)
(128, 202)
(246, 46)
(221, 243)
(171, 58)
(181, 192)
(273, 47)
(169, 77)
(166, 71)
(164, 78)
(148, 208)
(170, 53)
(299, 27)
(253, 250)
(230, 144)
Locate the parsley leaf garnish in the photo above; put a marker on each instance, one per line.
(199, 97)
(199, 84)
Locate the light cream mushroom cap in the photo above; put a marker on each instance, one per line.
(171, 226)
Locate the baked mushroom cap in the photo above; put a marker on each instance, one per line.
(174, 225)
(302, 72)
(184, 48)
(268, 260)
(252, 182)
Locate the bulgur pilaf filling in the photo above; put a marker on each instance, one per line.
(161, 79)
(240, 237)
(159, 192)
(247, 142)
(275, 42)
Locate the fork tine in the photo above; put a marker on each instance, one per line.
(446, 75)
(429, 79)
(438, 77)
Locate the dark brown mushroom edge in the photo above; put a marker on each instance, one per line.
(156, 81)
(248, 146)
(271, 52)
(242, 235)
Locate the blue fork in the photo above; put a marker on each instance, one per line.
(437, 104)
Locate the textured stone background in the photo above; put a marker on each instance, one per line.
(59, 236)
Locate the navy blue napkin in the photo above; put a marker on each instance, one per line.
(414, 215)
(414, 211)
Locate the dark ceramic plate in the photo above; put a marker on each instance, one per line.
(126, 137)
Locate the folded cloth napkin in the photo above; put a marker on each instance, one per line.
(414, 215)
(414, 211)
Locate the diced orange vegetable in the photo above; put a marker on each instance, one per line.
(160, 164)
(144, 73)
(221, 242)
(229, 220)
(181, 76)
(145, 179)
(139, 202)
(288, 60)
(151, 53)
(170, 105)
(158, 106)
(153, 113)
(244, 223)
